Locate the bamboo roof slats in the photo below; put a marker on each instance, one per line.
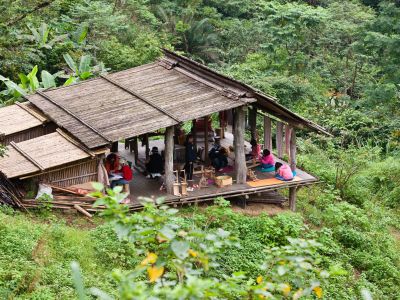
(16, 118)
(150, 97)
(141, 97)
(40, 154)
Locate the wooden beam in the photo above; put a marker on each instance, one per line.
(287, 139)
(240, 159)
(292, 198)
(253, 122)
(206, 146)
(32, 112)
(194, 133)
(75, 142)
(147, 145)
(293, 149)
(27, 156)
(136, 150)
(169, 159)
(141, 97)
(267, 133)
(279, 139)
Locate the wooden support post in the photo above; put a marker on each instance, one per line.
(240, 159)
(194, 132)
(293, 149)
(114, 147)
(292, 198)
(206, 146)
(288, 130)
(267, 133)
(279, 139)
(253, 122)
(136, 150)
(146, 142)
(169, 159)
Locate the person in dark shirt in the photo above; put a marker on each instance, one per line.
(155, 164)
(218, 156)
(190, 156)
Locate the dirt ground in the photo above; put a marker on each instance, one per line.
(255, 209)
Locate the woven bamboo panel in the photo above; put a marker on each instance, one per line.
(15, 119)
(75, 174)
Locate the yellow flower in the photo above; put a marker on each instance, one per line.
(154, 273)
(192, 253)
(150, 259)
(318, 291)
(286, 289)
(259, 279)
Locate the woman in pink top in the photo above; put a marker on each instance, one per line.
(283, 172)
(267, 160)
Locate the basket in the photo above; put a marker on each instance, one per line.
(222, 181)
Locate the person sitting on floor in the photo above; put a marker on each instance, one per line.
(283, 172)
(255, 150)
(218, 156)
(267, 160)
(112, 163)
(155, 164)
(125, 172)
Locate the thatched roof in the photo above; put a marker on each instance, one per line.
(19, 117)
(41, 154)
(150, 97)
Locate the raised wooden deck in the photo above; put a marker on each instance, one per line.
(144, 187)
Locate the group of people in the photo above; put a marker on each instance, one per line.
(268, 164)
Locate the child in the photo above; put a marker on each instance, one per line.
(255, 151)
(283, 172)
(155, 164)
(267, 160)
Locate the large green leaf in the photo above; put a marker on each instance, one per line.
(44, 33)
(84, 65)
(180, 249)
(48, 80)
(70, 80)
(71, 63)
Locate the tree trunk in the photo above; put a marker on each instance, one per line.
(293, 149)
(253, 122)
(292, 198)
(279, 139)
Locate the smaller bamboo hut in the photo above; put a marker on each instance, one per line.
(21, 122)
(53, 158)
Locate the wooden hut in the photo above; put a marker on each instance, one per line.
(21, 122)
(151, 100)
(53, 158)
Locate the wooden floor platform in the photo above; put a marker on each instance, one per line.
(150, 188)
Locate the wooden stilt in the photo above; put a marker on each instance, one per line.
(136, 150)
(206, 146)
(253, 122)
(292, 198)
(279, 139)
(169, 159)
(146, 139)
(267, 133)
(293, 149)
(194, 132)
(240, 159)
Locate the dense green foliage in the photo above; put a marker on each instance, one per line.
(334, 62)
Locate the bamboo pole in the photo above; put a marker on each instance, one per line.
(206, 146)
(293, 149)
(253, 122)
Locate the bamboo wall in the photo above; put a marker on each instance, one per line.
(28, 134)
(71, 175)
